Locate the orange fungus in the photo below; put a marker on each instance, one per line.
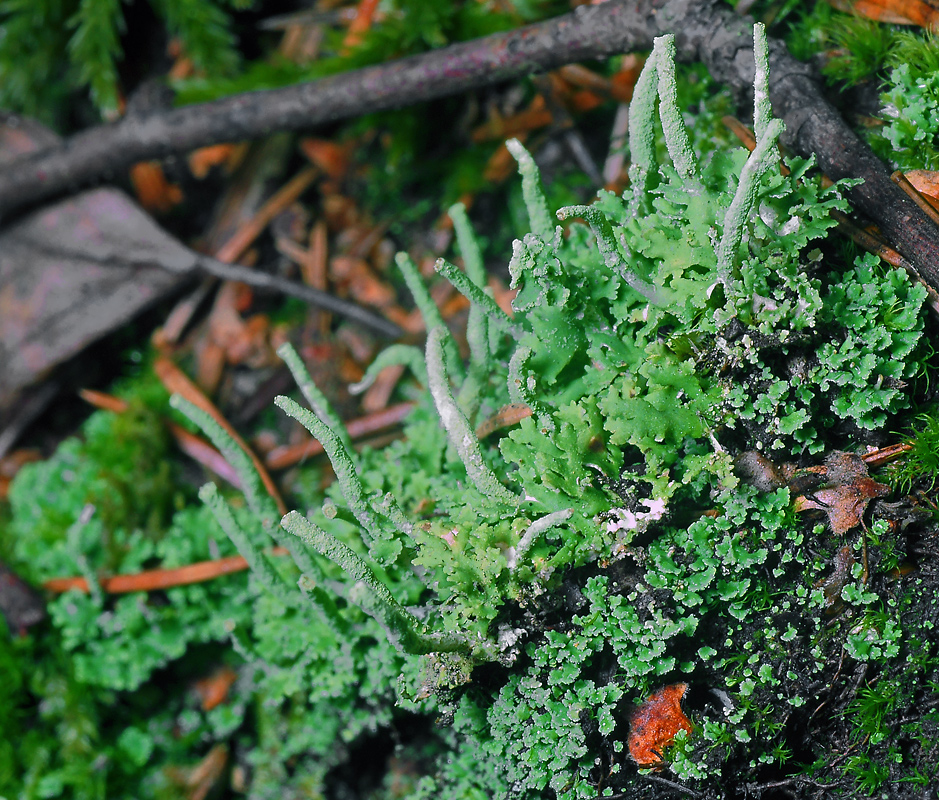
(655, 722)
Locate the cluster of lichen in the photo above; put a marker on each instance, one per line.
(531, 589)
(630, 341)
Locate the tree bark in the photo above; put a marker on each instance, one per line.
(706, 31)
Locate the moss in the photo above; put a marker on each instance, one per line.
(531, 590)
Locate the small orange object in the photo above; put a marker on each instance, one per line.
(897, 12)
(213, 689)
(653, 724)
(154, 192)
(202, 160)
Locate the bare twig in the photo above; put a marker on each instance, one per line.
(590, 32)
(324, 300)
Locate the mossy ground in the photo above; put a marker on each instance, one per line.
(808, 675)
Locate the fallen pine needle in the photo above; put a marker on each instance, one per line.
(154, 579)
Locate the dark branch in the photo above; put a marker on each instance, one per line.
(706, 31)
(592, 32)
(324, 300)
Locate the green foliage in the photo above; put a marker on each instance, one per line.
(408, 27)
(533, 588)
(51, 49)
(659, 282)
(857, 48)
(120, 467)
(903, 62)
(920, 465)
(105, 505)
(911, 110)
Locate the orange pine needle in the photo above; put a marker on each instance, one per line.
(884, 455)
(103, 401)
(245, 236)
(177, 382)
(213, 689)
(364, 14)
(288, 455)
(154, 579)
(505, 417)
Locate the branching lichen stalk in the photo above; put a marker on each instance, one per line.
(457, 425)
(541, 223)
(673, 126)
(762, 109)
(311, 392)
(477, 326)
(405, 630)
(406, 355)
(477, 297)
(606, 242)
(519, 390)
(538, 527)
(352, 488)
(258, 499)
(72, 537)
(762, 157)
(266, 574)
(426, 305)
(642, 130)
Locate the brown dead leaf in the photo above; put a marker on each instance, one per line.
(925, 182)
(894, 12)
(845, 494)
(653, 725)
(73, 271)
